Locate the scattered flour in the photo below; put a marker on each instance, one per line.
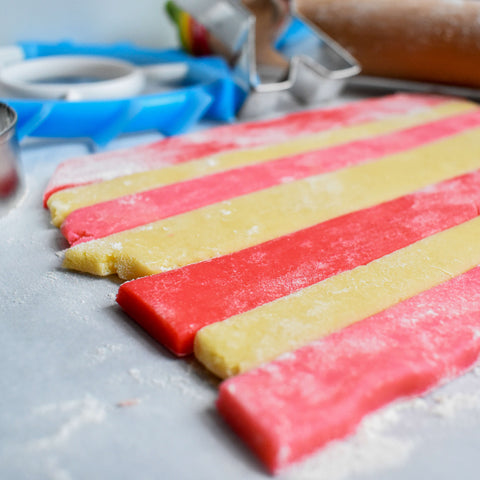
(51, 276)
(188, 385)
(212, 161)
(103, 352)
(446, 405)
(60, 254)
(75, 415)
(111, 296)
(449, 406)
(372, 449)
(376, 446)
(136, 375)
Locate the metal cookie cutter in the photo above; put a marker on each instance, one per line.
(10, 182)
(317, 65)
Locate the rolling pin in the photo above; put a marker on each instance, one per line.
(428, 40)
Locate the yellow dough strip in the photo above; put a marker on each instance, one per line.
(257, 336)
(244, 221)
(66, 201)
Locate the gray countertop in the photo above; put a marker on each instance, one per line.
(85, 393)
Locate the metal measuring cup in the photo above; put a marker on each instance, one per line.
(9, 163)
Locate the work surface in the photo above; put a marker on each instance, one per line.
(87, 394)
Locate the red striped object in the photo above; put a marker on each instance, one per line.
(289, 408)
(174, 305)
(130, 211)
(103, 166)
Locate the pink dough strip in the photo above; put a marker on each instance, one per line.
(104, 166)
(289, 408)
(174, 305)
(137, 209)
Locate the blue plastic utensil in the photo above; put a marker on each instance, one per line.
(207, 90)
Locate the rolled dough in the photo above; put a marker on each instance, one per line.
(258, 336)
(335, 248)
(289, 408)
(248, 220)
(64, 202)
(124, 213)
(107, 165)
(174, 305)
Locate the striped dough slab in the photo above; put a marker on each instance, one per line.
(289, 408)
(257, 336)
(248, 220)
(130, 211)
(105, 166)
(349, 233)
(174, 305)
(64, 202)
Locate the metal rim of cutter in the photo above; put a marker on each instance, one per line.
(10, 180)
(234, 26)
(8, 121)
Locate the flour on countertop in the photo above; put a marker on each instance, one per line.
(372, 449)
(375, 447)
(188, 385)
(75, 415)
(447, 405)
(111, 296)
(60, 254)
(104, 351)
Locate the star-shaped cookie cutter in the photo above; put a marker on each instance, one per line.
(317, 66)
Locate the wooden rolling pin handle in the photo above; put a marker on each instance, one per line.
(431, 40)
